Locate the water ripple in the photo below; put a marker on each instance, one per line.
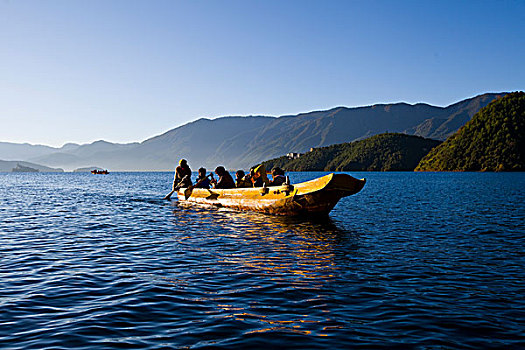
(103, 262)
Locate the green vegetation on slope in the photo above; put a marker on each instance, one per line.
(384, 152)
(493, 140)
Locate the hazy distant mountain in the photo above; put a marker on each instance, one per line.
(14, 151)
(69, 147)
(8, 166)
(109, 154)
(238, 142)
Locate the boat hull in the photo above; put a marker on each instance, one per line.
(317, 197)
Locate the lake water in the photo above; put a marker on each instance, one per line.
(415, 260)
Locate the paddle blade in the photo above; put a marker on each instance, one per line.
(188, 192)
(168, 196)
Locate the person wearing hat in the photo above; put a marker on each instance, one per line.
(259, 177)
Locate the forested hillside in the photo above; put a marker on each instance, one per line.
(493, 140)
(385, 152)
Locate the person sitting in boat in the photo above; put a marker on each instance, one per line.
(202, 180)
(277, 177)
(225, 179)
(241, 180)
(259, 177)
(248, 177)
(182, 175)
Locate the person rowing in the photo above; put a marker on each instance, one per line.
(203, 180)
(181, 179)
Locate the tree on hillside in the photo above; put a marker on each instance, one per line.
(493, 140)
(384, 152)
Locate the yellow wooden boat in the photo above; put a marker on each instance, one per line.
(318, 196)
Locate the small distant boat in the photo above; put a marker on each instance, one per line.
(318, 196)
(99, 172)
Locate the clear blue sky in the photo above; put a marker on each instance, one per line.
(122, 71)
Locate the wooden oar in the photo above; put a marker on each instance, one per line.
(189, 190)
(176, 188)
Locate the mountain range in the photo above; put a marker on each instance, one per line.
(239, 142)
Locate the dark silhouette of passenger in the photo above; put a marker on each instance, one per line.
(225, 179)
(259, 177)
(181, 179)
(241, 180)
(182, 175)
(278, 177)
(202, 180)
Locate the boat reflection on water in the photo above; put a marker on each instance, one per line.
(322, 228)
(262, 269)
(298, 245)
(306, 248)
